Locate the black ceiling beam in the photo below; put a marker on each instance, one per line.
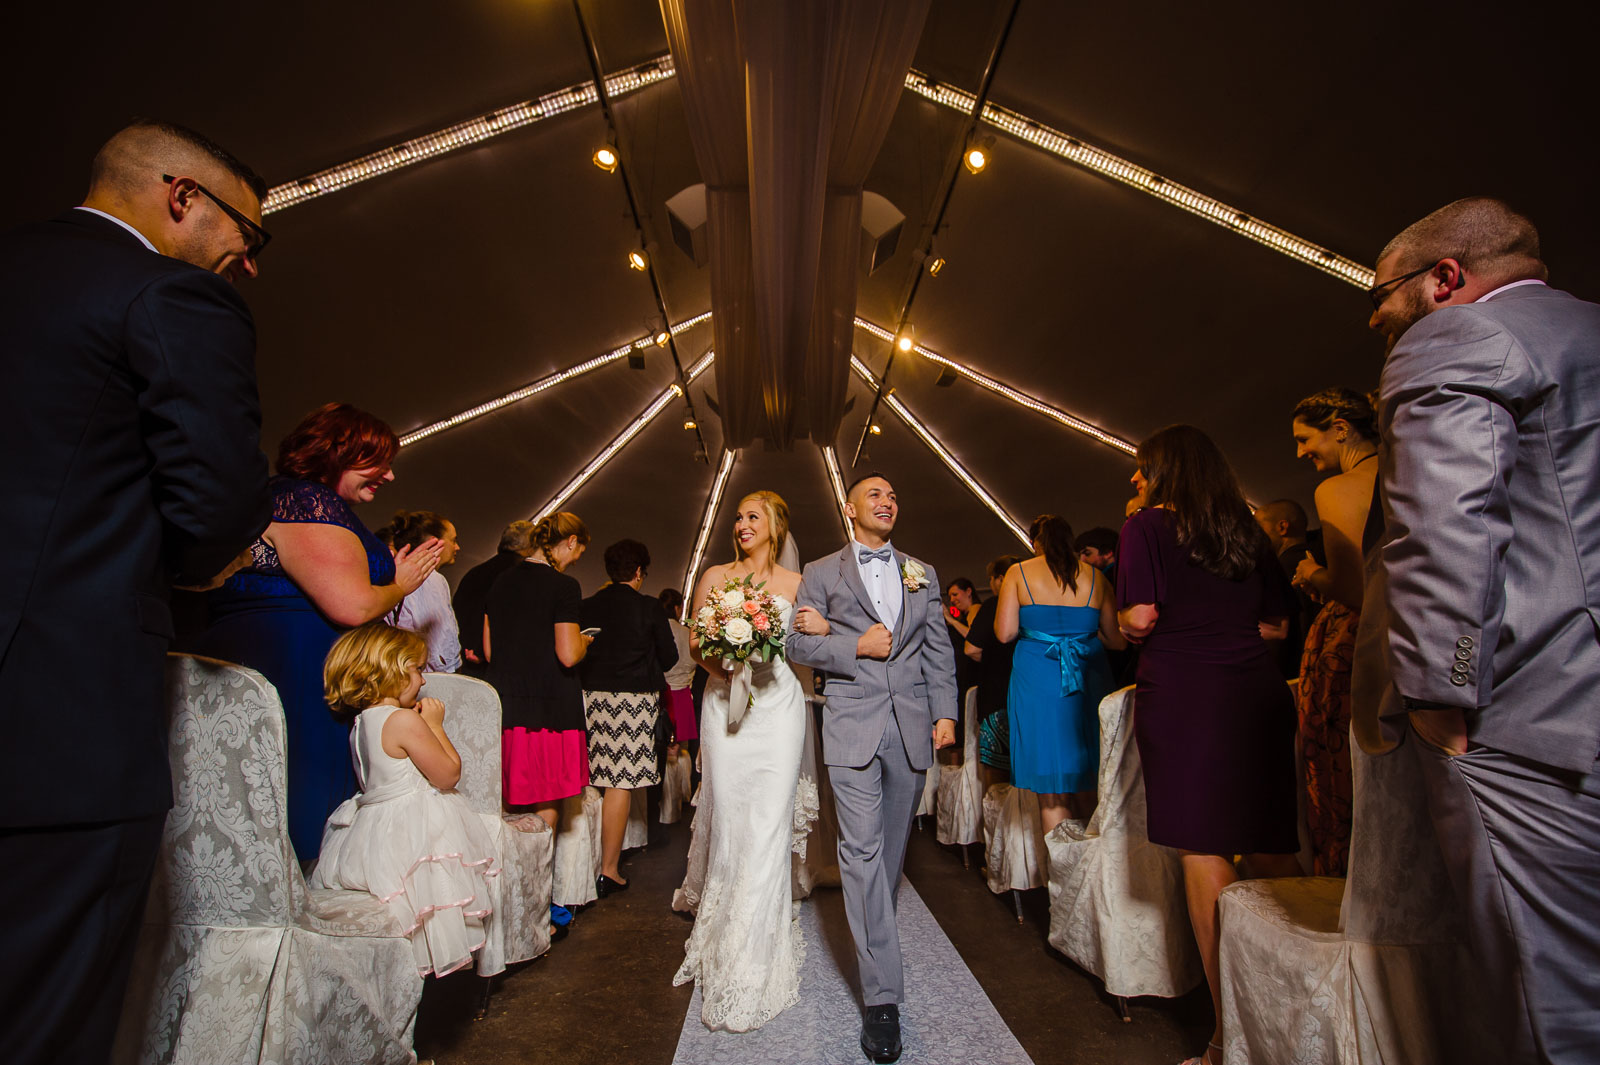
(920, 260)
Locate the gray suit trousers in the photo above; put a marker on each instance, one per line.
(1520, 841)
(875, 804)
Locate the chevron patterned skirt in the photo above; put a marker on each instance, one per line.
(622, 738)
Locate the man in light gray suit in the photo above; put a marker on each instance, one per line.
(1489, 404)
(891, 685)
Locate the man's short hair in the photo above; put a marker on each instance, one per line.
(518, 537)
(851, 487)
(1484, 233)
(1290, 511)
(1100, 538)
(143, 137)
(625, 558)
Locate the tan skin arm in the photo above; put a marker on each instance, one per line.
(329, 565)
(1110, 634)
(419, 735)
(1342, 504)
(971, 651)
(1009, 610)
(1137, 620)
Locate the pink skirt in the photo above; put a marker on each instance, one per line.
(680, 707)
(542, 766)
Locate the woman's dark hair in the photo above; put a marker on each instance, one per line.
(997, 568)
(1319, 411)
(1189, 475)
(671, 601)
(557, 527)
(625, 558)
(334, 438)
(410, 527)
(1052, 533)
(962, 583)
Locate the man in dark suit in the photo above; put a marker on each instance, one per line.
(130, 426)
(472, 594)
(1489, 406)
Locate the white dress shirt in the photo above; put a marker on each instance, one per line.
(1503, 288)
(427, 611)
(113, 218)
(883, 583)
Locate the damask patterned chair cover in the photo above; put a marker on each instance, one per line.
(1117, 903)
(1013, 840)
(960, 813)
(577, 860)
(675, 785)
(1394, 985)
(519, 929)
(928, 804)
(238, 960)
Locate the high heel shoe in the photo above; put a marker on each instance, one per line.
(604, 885)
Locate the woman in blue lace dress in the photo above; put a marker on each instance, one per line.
(1062, 614)
(315, 572)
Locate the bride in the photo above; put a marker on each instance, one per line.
(746, 948)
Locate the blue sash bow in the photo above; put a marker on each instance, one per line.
(1069, 650)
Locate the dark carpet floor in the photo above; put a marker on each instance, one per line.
(604, 995)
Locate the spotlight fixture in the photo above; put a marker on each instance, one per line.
(934, 267)
(688, 423)
(875, 429)
(903, 342)
(637, 260)
(605, 159)
(976, 159)
(662, 338)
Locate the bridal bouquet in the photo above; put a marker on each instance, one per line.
(740, 623)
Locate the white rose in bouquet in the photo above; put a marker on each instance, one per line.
(738, 632)
(707, 615)
(733, 599)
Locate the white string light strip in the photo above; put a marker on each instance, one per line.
(622, 439)
(1022, 399)
(944, 453)
(462, 134)
(837, 481)
(642, 344)
(718, 486)
(1102, 162)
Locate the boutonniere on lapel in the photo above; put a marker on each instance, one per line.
(913, 576)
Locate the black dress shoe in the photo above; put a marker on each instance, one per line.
(880, 1033)
(604, 885)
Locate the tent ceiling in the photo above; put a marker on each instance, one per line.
(421, 293)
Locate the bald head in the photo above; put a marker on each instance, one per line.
(139, 154)
(186, 195)
(1484, 233)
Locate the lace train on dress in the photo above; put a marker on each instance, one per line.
(746, 948)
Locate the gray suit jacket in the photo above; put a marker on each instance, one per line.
(1491, 479)
(917, 681)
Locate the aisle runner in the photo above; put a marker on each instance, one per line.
(947, 1018)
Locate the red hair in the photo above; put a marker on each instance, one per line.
(334, 438)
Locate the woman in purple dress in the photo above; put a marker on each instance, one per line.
(1199, 587)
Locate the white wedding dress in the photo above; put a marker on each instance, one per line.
(746, 948)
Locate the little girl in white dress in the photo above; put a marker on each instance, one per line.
(406, 836)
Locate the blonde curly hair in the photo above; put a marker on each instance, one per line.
(367, 664)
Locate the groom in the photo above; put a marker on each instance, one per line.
(891, 684)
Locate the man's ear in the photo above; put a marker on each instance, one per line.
(181, 194)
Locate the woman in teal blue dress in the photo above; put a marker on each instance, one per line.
(1062, 615)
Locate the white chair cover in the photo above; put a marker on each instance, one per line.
(239, 961)
(675, 783)
(1117, 904)
(519, 929)
(929, 803)
(637, 834)
(577, 859)
(960, 803)
(815, 850)
(1013, 839)
(1395, 985)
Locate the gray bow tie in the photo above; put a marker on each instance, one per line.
(882, 554)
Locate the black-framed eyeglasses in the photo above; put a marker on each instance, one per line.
(255, 238)
(1378, 293)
